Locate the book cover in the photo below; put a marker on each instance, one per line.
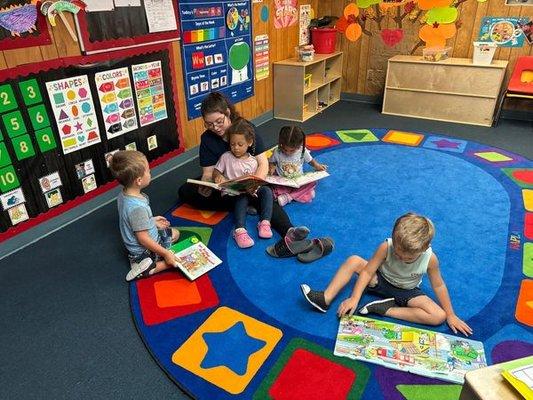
(194, 258)
(409, 349)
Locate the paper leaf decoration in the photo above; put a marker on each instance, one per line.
(435, 35)
(367, 3)
(442, 15)
(351, 10)
(429, 4)
(348, 23)
(353, 32)
(391, 37)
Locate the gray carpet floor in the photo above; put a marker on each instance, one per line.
(65, 325)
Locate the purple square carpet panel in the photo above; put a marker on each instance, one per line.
(243, 330)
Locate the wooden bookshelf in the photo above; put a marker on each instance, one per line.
(296, 102)
(453, 90)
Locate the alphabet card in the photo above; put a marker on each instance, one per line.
(150, 93)
(116, 101)
(74, 112)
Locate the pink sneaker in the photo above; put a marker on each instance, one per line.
(242, 238)
(284, 199)
(264, 229)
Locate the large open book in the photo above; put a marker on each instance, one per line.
(233, 187)
(194, 258)
(409, 349)
(249, 183)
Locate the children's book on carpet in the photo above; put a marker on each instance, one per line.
(409, 349)
(249, 183)
(195, 258)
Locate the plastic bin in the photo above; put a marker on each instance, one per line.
(324, 40)
(305, 53)
(435, 53)
(483, 52)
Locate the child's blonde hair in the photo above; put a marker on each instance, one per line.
(127, 165)
(413, 233)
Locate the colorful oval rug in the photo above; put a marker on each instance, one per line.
(244, 330)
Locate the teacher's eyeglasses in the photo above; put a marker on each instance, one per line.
(217, 123)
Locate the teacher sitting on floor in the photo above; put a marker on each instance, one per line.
(218, 114)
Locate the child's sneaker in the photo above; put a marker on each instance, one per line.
(284, 199)
(141, 269)
(315, 298)
(379, 307)
(242, 238)
(264, 230)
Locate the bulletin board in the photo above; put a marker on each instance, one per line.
(22, 25)
(216, 51)
(59, 120)
(117, 29)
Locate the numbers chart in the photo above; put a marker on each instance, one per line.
(15, 132)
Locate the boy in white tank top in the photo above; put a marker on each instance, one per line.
(395, 272)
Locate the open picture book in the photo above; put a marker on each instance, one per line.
(249, 183)
(194, 258)
(409, 349)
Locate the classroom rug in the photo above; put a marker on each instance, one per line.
(244, 330)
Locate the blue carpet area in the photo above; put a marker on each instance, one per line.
(369, 187)
(476, 209)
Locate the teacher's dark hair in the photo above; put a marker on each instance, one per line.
(217, 102)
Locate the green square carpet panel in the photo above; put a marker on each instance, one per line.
(243, 330)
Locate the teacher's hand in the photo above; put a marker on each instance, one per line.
(205, 191)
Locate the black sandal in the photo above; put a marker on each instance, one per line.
(320, 248)
(282, 250)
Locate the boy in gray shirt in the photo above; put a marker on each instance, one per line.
(146, 238)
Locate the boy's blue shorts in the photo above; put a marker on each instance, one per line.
(386, 289)
(165, 240)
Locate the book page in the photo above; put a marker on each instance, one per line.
(525, 374)
(310, 177)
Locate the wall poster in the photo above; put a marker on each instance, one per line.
(216, 50)
(504, 31)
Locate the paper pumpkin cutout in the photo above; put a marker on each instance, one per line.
(391, 37)
(435, 35)
(429, 4)
(442, 15)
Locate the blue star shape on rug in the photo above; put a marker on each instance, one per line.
(231, 348)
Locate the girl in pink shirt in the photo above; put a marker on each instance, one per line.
(236, 163)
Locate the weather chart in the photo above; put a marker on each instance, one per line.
(217, 55)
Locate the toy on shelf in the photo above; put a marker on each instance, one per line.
(51, 9)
